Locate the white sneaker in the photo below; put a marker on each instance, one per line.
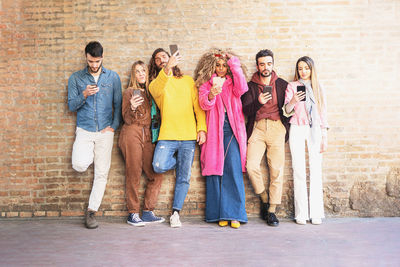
(302, 222)
(174, 220)
(316, 221)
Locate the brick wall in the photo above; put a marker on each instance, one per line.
(355, 44)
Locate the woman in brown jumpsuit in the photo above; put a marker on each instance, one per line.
(135, 142)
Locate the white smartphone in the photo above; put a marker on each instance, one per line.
(218, 81)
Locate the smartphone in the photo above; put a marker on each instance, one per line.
(173, 48)
(218, 81)
(137, 92)
(94, 86)
(267, 89)
(301, 88)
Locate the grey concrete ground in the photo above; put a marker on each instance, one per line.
(65, 242)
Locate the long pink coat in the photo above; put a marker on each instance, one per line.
(212, 151)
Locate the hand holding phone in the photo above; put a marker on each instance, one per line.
(173, 48)
(137, 92)
(91, 89)
(301, 92)
(218, 81)
(267, 89)
(136, 99)
(264, 97)
(173, 60)
(216, 89)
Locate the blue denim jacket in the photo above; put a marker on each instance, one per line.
(96, 111)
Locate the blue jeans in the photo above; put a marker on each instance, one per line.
(171, 154)
(225, 197)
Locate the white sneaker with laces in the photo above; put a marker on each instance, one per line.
(174, 220)
(316, 221)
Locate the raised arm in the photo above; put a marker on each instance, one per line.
(240, 84)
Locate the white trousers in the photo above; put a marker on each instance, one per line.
(313, 207)
(94, 147)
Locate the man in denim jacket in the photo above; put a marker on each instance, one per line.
(95, 93)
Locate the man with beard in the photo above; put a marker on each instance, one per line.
(95, 93)
(267, 129)
(182, 123)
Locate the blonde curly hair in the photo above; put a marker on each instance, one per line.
(206, 66)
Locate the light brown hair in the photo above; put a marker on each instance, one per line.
(207, 63)
(133, 83)
(314, 80)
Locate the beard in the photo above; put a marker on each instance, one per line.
(159, 67)
(94, 70)
(162, 65)
(266, 73)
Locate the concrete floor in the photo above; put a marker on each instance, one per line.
(65, 242)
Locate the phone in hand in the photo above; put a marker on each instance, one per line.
(267, 89)
(95, 86)
(218, 81)
(301, 88)
(173, 48)
(137, 92)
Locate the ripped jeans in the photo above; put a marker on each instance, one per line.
(175, 154)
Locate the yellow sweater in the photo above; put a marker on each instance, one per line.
(177, 98)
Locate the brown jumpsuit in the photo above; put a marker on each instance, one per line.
(135, 144)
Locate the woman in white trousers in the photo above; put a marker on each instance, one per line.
(306, 104)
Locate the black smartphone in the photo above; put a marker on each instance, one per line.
(267, 89)
(173, 48)
(301, 88)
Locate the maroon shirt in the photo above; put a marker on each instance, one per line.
(269, 110)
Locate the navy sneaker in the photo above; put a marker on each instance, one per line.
(149, 217)
(134, 219)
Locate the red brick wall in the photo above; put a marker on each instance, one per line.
(355, 44)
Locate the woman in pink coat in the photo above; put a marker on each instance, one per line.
(223, 156)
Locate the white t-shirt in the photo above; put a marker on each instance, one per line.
(96, 78)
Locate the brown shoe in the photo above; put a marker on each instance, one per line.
(90, 220)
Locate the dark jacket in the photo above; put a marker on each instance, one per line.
(251, 105)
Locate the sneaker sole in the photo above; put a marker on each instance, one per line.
(154, 222)
(136, 224)
(175, 225)
(91, 227)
